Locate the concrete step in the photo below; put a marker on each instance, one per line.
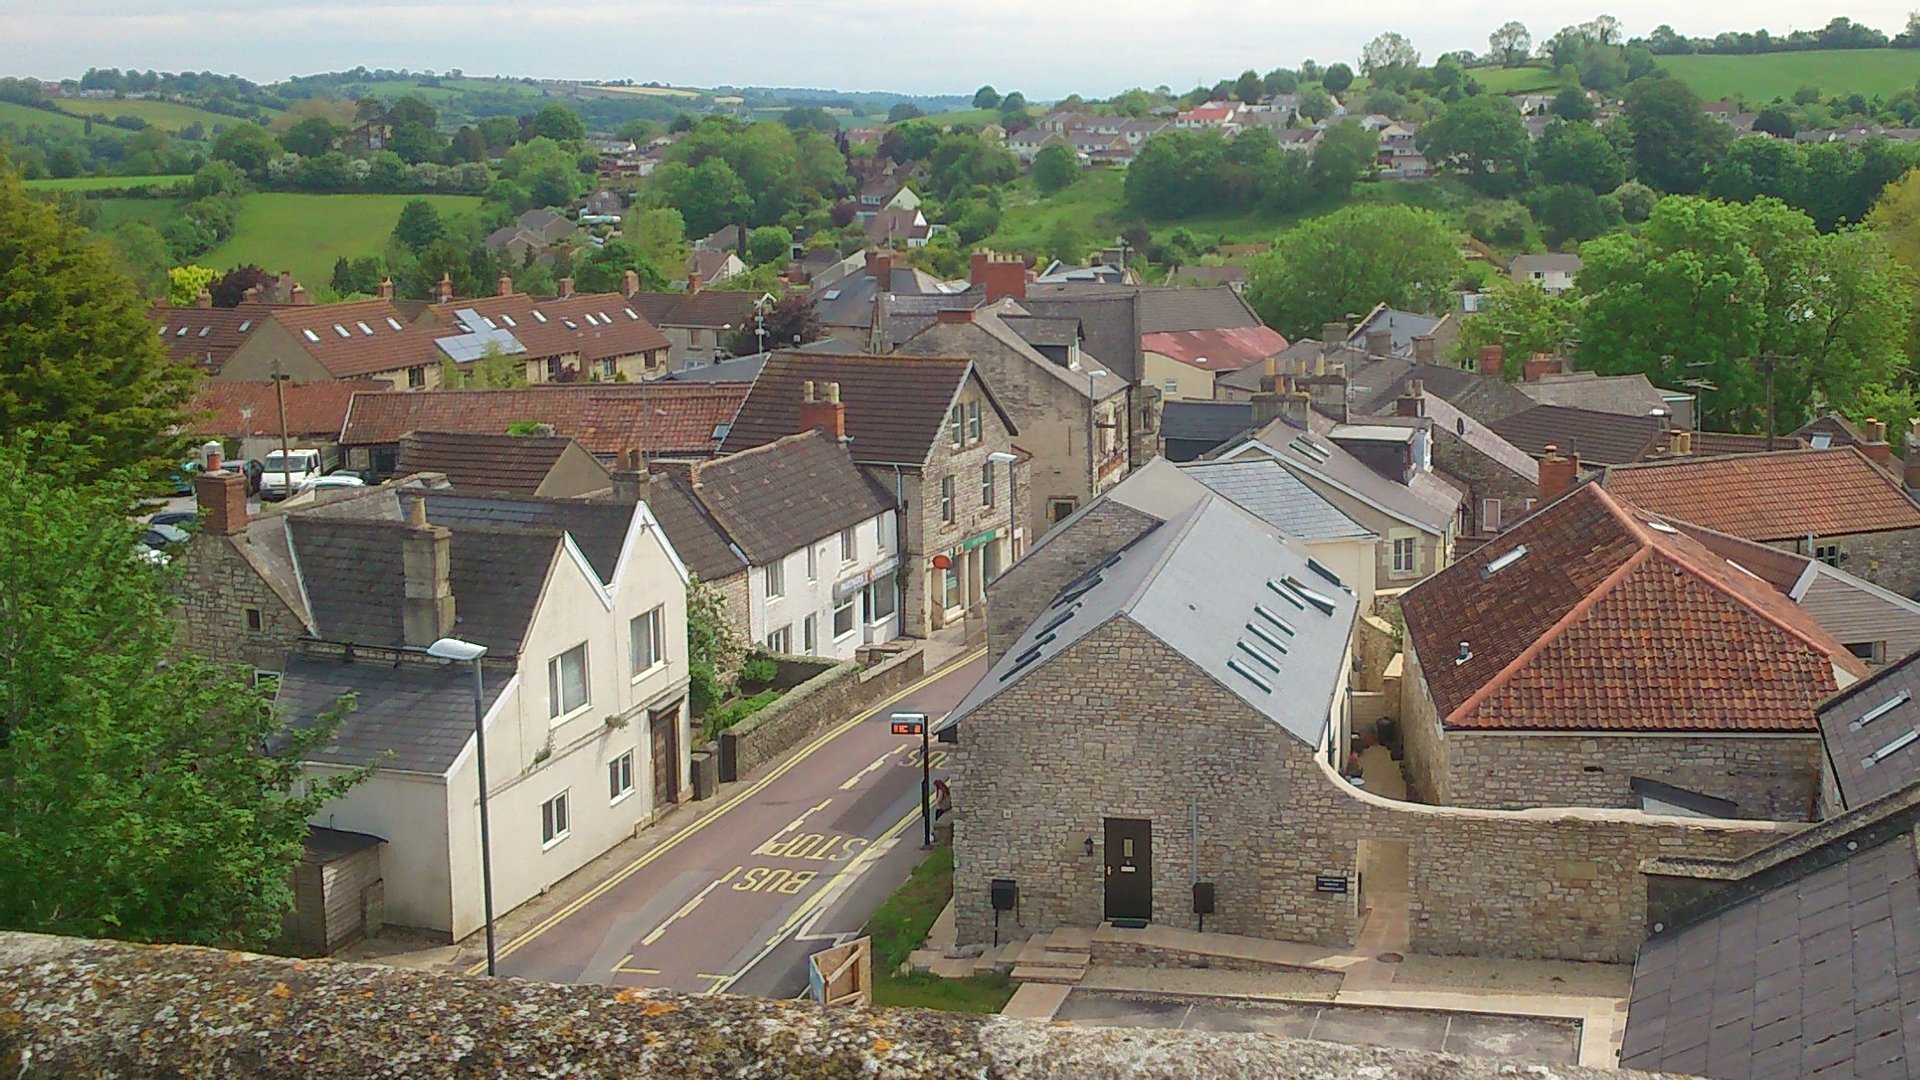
(1056, 976)
(1075, 939)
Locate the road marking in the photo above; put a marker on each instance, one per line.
(815, 846)
(717, 979)
(880, 762)
(775, 879)
(815, 904)
(936, 760)
(697, 824)
(622, 968)
(687, 908)
(801, 820)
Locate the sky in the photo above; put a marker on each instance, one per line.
(1045, 48)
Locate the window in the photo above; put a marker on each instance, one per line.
(781, 640)
(1059, 510)
(567, 681)
(986, 484)
(843, 617)
(553, 369)
(268, 679)
(1405, 555)
(1172, 387)
(950, 588)
(810, 635)
(553, 820)
(1873, 652)
(813, 563)
(946, 498)
(1828, 553)
(973, 421)
(253, 619)
(849, 546)
(880, 533)
(1489, 515)
(646, 631)
(957, 425)
(609, 367)
(776, 578)
(620, 777)
(416, 378)
(880, 601)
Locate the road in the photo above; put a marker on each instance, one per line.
(794, 860)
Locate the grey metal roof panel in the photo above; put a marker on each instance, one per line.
(1869, 732)
(1428, 502)
(412, 717)
(1267, 490)
(1201, 420)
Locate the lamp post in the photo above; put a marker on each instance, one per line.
(449, 648)
(1001, 457)
(1093, 475)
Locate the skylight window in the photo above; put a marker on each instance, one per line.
(1267, 636)
(1286, 594)
(508, 319)
(1503, 562)
(1266, 661)
(1248, 674)
(570, 324)
(310, 335)
(1058, 620)
(1276, 620)
(182, 332)
(393, 322)
(540, 316)
(1319, 600)
(832, 294)
(1326, 575)
(1307, 449)
(1912, 736)
(365, 329)
(1663, 527)
(1881, 710)
(204, 331)
(630, 313)
(342, 331)
(244, 325)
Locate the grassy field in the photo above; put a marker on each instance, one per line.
(306, 233)
(901, 924)
(971, 117)
(112, 213)
(26, 116)
(101, 183)
(1759, 79)
(1520, 80)
(651, 91)
(165, 115)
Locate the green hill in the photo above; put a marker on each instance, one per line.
(166, 115)
(26, 116)
(306, 233)
(1760, 78)
(102, 183)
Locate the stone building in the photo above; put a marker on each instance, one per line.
(553, 466)
(1501, 481)
(930, 432)
(1595, 655)
(240, 597)
(1836, 505)
(1146, 734)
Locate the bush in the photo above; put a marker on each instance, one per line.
(759, 671)
(703, 688)
(735, 711)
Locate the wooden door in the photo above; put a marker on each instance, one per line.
(1129, 869)
(664, 729)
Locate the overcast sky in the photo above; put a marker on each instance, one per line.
(1047, 48)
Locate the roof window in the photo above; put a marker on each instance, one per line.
(182, 332)
(508, 319)
(342, 331)
(1881, 710)
(310, 335)
(1278, 622)
(1248, 674)
(1912, 736)
(1319, 600)
(1663, 527)
(1326, 575)
(393, 322)
(539, 316)
(1266, 661)
(1307, 449)
(244, 325)
(204, 331)
(1286, 594)
(365, 329)
(1503, 562)
(630, 313)
(1267, 636)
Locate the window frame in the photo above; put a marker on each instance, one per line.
(853, 617)
(849, 546)
(654, 620)
(1490, 511)
(813, 563)
(784, 637)
(1413, 555)
(1828, 554)
(810, 634)
(987, 484)
(949, 508)
(256, 620)
(773, 579)
(957, 425)
(871, 591)
(1054, 506)
(556, 820)
(973, 422)
(416, 378)
(556, 694)
(620, 775)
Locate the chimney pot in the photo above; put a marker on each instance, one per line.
(1683, 442)
(221, 497)
(1493, 361)
(443, 290)
(205, 299)
(251, 296)
(299, 297)
(630, 283)
(821, 409)
(695, 280)
(504, 286)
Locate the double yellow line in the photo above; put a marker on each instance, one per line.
(640, 863)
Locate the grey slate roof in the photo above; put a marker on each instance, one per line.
(1404, 325)
(1201, 582)
(705, 548)
(1600, 438)
(1871, 732)
(1629, 395)
(413, 717)
(1374, 386)
(739, 369)
(599, 529)
(1109, 320)
(780, 497)
(1198, 421)
(1267, 490)
(1429, 502)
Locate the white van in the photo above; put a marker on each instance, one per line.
(284, 473)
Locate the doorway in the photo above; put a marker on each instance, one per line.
(664, 731)
(1129, 870)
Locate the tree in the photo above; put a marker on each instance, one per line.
(1337, 78)
(416, 143)
(310, 137)
(1014, 102)
(809, 118)
(769, 244)
(1577, 154)
(605, 269)
(78, 358)
(1774, 121)
(418, 226)
(1387, 51)
(1055, 168)
(1511, 43)
(1175, 173)
(1352, 259)
(1065, 242)
(1569, 213)
(186, 283)
(1520, 317)
(498, 131)
(1248, 87)
(790, 320)
(659, 236)
(557, 122)
(1602, 30)
(412, 109)
(905, 110)
(1759, 165)
(249, 147)
(1316, 104)
(144, 257)
(1483, 138)
(1573, 106)
(230, 289)
(986, 98)
(1344, 156)
(708, 195)
(1674, 142)
(466, 145)
(136, 800)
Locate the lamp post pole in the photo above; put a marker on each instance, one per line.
(1093, 474)
(448, 648)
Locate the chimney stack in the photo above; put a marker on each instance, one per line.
(504, 286)
(1493, 361)
(211, 455)
(630, 283)
(1414, 401)
(880, 267)
(1296, 406)
(426, 558)
(385, 289)
(251, 296)
(821, 409)
(695, 280)
(1426, 350)
(1681, 442)
(1557, 474)
(566, 288)
(299, 296)
(283, 287)
(1876, 447)
(1540, 366)
(443, 290)
(998, 276)
(630, 479)
(1910, 477)
(221, 497)
(204, 300)
(1332, 336)
(1379, 343)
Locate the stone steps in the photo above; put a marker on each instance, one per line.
(1054, 976)
(1060, 958)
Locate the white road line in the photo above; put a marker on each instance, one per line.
(879, 763)
(801, 820)
(687, 908)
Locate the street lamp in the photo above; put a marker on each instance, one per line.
(1001, 457)
(1093, 475)
(449, 648)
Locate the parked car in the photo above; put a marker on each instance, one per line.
(183, 477)
(336, 480)
(177, 518)
(158, 541)
(282, 474)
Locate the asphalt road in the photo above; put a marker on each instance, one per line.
(795, 860)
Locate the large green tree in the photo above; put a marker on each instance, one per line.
(1055, 168)
(77, 354)
(1349, 261)
(1176, 173)
(136, 799)
(707, 196)
(1674, 142)
(1578, 153)
(1520, 317)
(1344, 156)
(1483, 138)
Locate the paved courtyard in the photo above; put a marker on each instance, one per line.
(1539, 1040)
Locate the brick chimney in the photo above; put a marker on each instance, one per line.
(299, 297)
(1379, 343)
(385, 289)
(221, 497)
(566, 288)
(630, 480)
(1493, 361)
(1910, 476)
(998, 276)
(426, 558)
(1557, 474)
(1875, 447)
(1296, 407)
(821, 409)
(880, 267)
(204, 300)
(695, 280)
(251, 296)
(1540, 366)
(949, 316)
(1414, 401)
(1426, 350)
(630, 283)
(443, 290)
(1332, 336)
(504, 286)
(284, 286)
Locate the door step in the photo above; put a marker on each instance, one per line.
(1055, 976)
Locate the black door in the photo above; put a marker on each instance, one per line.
(1129, 869)
(665, 732)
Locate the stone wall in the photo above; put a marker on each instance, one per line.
(75, 1007)
(1890, 560)
(217, 587)
(1771, 778)
(735, 606)
(927, 534)
(1017, 598)
(819, 703)
(1120, 726)
(1482, 477)
(1428, 766)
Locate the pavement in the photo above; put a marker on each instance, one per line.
(734, 893)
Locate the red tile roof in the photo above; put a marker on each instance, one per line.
(1785, 495)
(594, 325)
(362, 337)
(656, 418)
(206, 337)
(1217, 350)
(1614, 620)
(240, 409)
